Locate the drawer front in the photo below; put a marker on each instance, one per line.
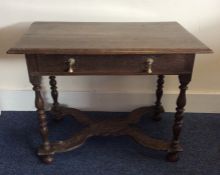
(110, 65)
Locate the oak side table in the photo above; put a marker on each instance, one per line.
(73, 49)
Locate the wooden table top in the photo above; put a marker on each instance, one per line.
(107, 38)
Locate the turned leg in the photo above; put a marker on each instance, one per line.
(181, 102)
(39, 103)
(54, 93)
(159, 93)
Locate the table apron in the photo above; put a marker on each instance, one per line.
(166, 64)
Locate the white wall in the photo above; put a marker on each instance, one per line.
(200, 17)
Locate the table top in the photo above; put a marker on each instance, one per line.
(107, 38)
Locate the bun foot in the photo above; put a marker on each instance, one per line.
(47, 159)
(172, 157)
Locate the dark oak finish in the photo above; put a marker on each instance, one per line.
(111, 64)
(159, 93)
(108, 38)
(181, 102)
(54, 94)
(39, 103)
(70, 49)
(116, 126)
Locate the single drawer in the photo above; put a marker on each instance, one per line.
(110, 64)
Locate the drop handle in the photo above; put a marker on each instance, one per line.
(71, 62)
(149, 63)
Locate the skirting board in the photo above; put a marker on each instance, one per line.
(14, 100)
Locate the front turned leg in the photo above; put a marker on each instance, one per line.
(159, 93)
(39, 103)
(181, 102)
(54, 93)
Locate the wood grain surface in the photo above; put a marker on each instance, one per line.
(107, 38)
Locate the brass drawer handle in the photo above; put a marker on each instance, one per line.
(71, 62)
(149, 63)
